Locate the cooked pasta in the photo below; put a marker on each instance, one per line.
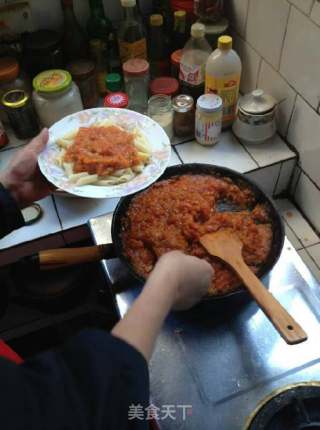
(104, 154)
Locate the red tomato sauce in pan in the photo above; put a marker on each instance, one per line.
(173, 214)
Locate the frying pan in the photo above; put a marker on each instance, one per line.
(67, 257)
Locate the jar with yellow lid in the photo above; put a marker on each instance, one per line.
(11, 78)
(55, 96)
(21, 114)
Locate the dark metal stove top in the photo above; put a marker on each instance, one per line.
(30, 325)
(224, 363)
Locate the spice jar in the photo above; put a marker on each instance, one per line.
(184, 116)
(136, 78)
(160, 110)
(166, 85)
(55, 96)
(83, 74)
(21, 114)
(116, 100)
(175, 63)
(10, 79)
(209, 119)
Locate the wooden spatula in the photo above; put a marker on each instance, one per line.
(228, 247)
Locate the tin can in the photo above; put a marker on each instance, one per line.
(21, 114)
(209, 119)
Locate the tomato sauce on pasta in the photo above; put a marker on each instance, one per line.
(173, 214)
(102, 150)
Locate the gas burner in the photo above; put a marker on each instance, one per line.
(295, 407)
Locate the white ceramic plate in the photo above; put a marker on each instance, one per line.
(156, 136)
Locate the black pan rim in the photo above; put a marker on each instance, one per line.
(214, 170)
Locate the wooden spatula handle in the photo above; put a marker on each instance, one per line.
(288, 328)
(65, 257)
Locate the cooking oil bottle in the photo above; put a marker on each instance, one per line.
(223, 73)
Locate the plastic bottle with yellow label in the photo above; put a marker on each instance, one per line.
(223, 73)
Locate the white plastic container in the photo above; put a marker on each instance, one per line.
(55, 96)
(223, 73)
(208, 119)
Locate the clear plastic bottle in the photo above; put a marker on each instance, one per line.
(223, 73)
(193, 62)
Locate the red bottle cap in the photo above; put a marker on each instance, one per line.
(176, 57)
(166, 85)
(136, 67)
(116, 100)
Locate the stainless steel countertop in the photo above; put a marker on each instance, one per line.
(222, 362)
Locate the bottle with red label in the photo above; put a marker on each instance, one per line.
(193, 62)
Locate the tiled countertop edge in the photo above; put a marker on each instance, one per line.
(251, 165)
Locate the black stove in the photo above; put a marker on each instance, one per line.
(42, 310)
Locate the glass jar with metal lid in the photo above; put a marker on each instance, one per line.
(136, 78)
(184, 116)
(11, 78)
(209, 119)
(21, 114)
(160, 110)
(55, 96)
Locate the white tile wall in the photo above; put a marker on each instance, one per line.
(222, 154)
(273, 83)
(250, 65)
(297, 222)
(308, 198)
(310, 263)
(304, 134)
(300, 63)
(287, 169)
(292, 237)
(286, 35)
(304, 5)
(315, 13)
(269, 152)
(295, 179)
(314, 251)
(266, 178)
(266, 27)
(237, 11)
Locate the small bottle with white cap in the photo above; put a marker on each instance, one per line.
(193, 62)
(223, 73)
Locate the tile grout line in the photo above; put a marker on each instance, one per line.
(294, 233)
(177, 153)
(309, 177)
(304, 216)
(259, 71)
(310, 256)
(276, 70)
(277, 180)
(291, 114)
(246, 150)
(284, 36)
